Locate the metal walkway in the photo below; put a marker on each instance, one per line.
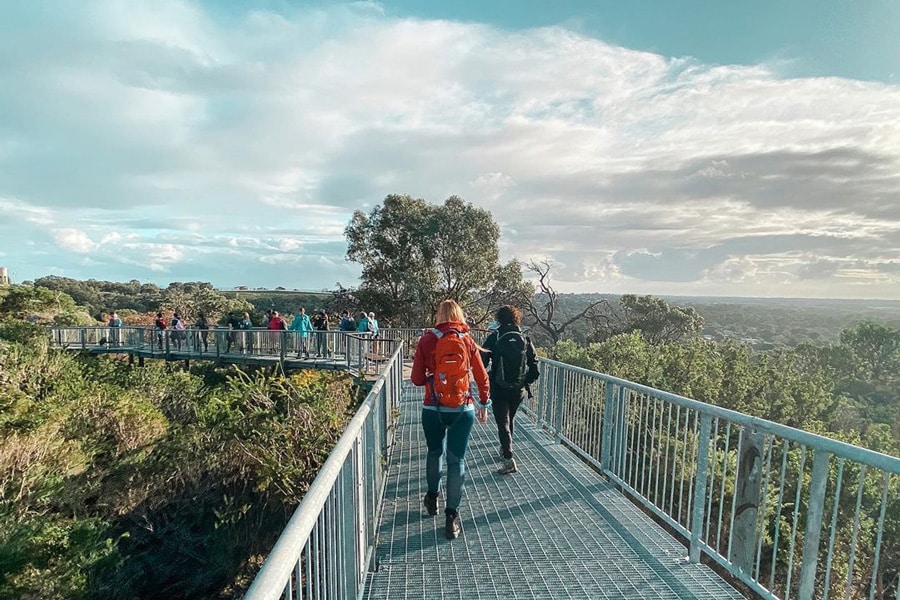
(555, 529)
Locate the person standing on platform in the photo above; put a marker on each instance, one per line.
(231, 337)
(320, 324)
(159, 327)
(276, 323)
(302, 325)
(245, 327)
(178, 333)
(362, 325)
(202, 327)
(115, 329)
(346, 323)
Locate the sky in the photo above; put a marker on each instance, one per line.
(653, 147)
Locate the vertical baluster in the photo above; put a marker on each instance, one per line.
(711, 485)
(785, 447)
(722, 488)
(671, 506)
(880, 532)
(834, 515)
(669, 441)
(790, 573)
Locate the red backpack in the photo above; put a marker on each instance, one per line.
(450, 382)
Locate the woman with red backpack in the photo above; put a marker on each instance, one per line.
(445, 358)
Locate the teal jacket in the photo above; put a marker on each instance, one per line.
(301, 324)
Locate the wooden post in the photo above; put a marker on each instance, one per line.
(746, 498)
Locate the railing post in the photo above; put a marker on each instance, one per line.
(814, 512)
(283, 335)
(558, 403)
(83, 338)
(746, 500)
(607, 424)
(700, 486)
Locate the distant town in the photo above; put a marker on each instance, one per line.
(279, 289)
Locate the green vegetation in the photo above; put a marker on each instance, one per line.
(850, 389)
(154, 482)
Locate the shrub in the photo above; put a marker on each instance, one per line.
(118, 481)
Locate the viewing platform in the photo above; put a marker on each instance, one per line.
(356, 352)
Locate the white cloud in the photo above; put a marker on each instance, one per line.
(18, 210)
(74, 240)
(190, 144)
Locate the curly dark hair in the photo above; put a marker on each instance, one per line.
(509, 315)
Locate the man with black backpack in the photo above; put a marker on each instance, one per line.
(512, 362)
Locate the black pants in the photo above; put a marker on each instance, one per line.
(505, 403)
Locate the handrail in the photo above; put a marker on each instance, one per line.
(885, 462)
(756, 497)
(279, 565)
(328, 543)
(353, 350)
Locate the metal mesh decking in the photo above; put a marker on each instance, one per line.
(556, 529)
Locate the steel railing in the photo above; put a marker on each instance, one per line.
(355, 350)
(789, 513)
(328, 545)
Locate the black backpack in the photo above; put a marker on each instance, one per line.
(510, 361)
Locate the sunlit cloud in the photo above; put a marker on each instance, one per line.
(74, 240)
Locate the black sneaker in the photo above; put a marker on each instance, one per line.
(430, 502)
(453, 527)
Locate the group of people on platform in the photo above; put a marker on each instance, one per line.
(239, 334)
(446, 361)
(177, 330)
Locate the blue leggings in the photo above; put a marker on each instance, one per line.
(457, 426)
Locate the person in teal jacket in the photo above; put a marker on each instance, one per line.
(302, 325)
(363, 323)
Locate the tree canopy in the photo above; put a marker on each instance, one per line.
(415, 254)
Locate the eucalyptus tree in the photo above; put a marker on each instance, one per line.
(415, 254)
(192, 300)
(876, 350)
(657, 320)
(390, 243)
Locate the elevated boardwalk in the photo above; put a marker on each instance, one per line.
(556, 529)
(787, 513)
(356, 353)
